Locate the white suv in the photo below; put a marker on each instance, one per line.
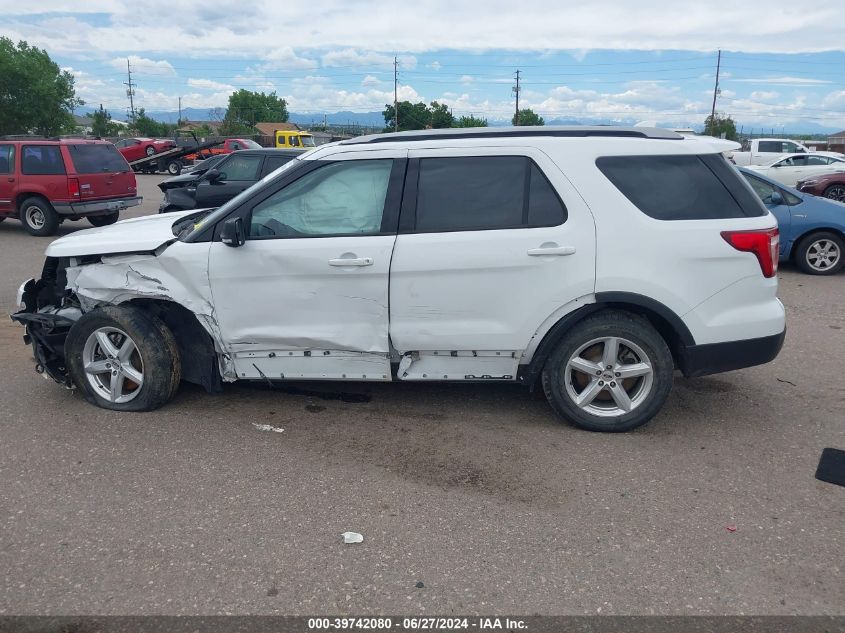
(591, 261)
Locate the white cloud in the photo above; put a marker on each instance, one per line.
(784, 81)
(467, 79)
(764, 95)
(369, 81)
(354, 59)
(143, 65)
(208, 84)
(435, 65)
(286, 58)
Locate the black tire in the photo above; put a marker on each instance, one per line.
(813, 244)
(649, 392)
(835, 192)
(104, 220)
(174, 167)
(38, 217)
(149, 150)
(157, 356)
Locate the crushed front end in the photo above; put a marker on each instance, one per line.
(48, 311)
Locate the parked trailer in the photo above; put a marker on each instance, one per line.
(170, 161)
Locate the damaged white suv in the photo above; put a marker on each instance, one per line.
(590, 261)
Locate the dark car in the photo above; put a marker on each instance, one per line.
(202, 166)
(233, 174)
(828, 186)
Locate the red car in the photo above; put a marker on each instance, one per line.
(828, 186)
(138, 148)
(229, 145)
(45, 182)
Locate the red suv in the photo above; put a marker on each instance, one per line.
(44, 182)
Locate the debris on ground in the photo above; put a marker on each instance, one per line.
(420, 585)
(730, 528)
(352, 537)
(268, 427)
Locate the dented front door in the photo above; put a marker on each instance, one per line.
(306, 297)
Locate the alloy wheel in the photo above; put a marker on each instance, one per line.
(113, 364)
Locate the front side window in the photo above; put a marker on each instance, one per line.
(294, 141)
(484, 193)
(272, 163)
(343, 198)
(791, 147)
(770, 146)
(764, 190)
(7, 159)
(42, 160)
(816, 161)
(682, 187)
(240, 167)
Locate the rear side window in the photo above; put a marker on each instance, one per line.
(7, 159)
(42, 160)
(272, 163)
(484, 193)
(97, 158)
(682, 187)
(771, 146)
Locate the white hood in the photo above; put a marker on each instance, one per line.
(134, 235)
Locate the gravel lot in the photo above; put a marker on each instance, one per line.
(478, 492)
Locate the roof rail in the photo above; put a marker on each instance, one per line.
(27, 137)
(573, 131)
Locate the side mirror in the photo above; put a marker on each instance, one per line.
(213, 175)
(775, 198)
(232, 232)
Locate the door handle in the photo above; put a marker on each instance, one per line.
(551, 250)
(359, 261)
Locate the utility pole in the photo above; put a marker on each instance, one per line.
(395, 94)
(516, 90)
(130, 91)
(715, 92)
(179, 120)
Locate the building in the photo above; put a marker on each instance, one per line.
(836, 142)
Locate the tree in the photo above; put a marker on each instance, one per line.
(412, 116)
(440, 116)
(148, 126)
(102, 124)
(246, 108)
(35, 94)
(721, 125)
(469, 121)
(527, 116)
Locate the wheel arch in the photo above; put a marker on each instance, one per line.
(664, 320)
(26, 195)
(808, 233)
(196, 347)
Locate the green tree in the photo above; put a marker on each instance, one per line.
(35, 94)
(469, 121)
(102, 124)
(720, 125)
(412, 116)
(147, 126)
(246, 108)
(527, 116)
(440, 115)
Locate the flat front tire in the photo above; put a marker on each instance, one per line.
(38, 217)
(611, 372)
(123, 358)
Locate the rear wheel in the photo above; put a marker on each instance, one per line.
(38, 216)
(174, 167)
(104, 220)
(123, 358)
(835, 192)
(611, 372)
(820, 254)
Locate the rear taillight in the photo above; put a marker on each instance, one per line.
(765, 244)
(73, 187)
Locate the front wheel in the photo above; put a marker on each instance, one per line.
(835, 192)
(123, 358)
(611, 372)
(820, 254)
(150, 150)
(39, 218)
(104, 220)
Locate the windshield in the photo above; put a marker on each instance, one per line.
(250, 144)
(308, 141)
(215, 214)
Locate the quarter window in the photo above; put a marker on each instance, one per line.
(343, 198)
(685, 187)
(42, 160)
(484, 193)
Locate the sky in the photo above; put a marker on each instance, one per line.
(782, 64)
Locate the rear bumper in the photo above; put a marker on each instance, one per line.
(714, 358)
(96, 207)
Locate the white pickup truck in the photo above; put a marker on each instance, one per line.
(763, 151)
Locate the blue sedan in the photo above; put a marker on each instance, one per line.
(812, 230)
